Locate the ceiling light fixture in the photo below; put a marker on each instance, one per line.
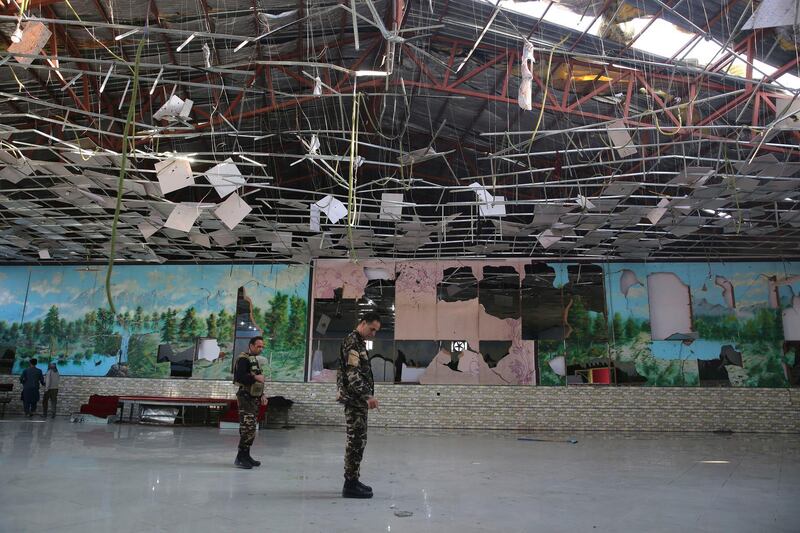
(187, 41)
(126, 34)
(363, 73)
(16, 37)
(251, 160)
(155, 83)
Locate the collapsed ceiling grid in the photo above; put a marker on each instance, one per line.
(269, 129)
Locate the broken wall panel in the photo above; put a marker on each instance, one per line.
(415, 300)
(457, 308)
(519, 366)
(351, 277)
(591, 323)
(332, 275)
(670, 304)
(564, 306)
(542, 304)
(734, 308)
(786, 297)
(500, 299)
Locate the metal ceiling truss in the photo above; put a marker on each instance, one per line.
(452, 90)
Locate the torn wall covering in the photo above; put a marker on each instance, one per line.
(430, 306)
(599, 316)
(346, 275)
(734, 310)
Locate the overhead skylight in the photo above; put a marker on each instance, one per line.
(662, 38)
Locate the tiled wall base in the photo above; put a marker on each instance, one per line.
(488, 407)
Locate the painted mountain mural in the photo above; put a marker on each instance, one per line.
(61, 314)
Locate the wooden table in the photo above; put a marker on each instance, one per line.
(136, 404)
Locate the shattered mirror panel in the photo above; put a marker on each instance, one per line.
(344, 292)
(564, 309)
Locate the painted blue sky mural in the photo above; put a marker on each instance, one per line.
(207, 288)
(65, 316)
(13, 283)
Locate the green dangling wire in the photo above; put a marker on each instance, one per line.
(126, 132)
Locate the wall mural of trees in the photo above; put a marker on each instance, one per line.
(60, 313)
(66, 317)
(736, 323)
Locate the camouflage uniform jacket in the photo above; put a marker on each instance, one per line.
(354, 378)
(244, 372)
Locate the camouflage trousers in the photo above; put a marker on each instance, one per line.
(356, 420)
(248, 413)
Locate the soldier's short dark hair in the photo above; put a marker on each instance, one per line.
(371, 316)
(34, 361)
(255, 340)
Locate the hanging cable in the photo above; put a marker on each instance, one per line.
(126, 134)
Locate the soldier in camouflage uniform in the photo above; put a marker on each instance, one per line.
(247, 374)
(355, 390)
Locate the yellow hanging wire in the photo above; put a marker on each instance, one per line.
(93, 37)
(351, 191)
(546, 87)
(664, 132)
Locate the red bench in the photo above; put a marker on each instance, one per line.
(101, 406)
(231, 414)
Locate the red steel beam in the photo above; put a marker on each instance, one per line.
(474, 72)
(235, 103)
(555, 105)
(302, 80)
(363, 57)
(75, 52)
(450, 63)
(512, 56)
(567, 90)
(601, 86)
(164, 37)
(658, 99)
(421, 65)
(628, 96)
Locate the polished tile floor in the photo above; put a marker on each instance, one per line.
(58, 476)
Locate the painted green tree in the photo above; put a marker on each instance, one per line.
(51, 328)
(276, 321)
(297, 323)
(137, 322)
(211, 326)
(105, 342)
(154, 323)
(190, 326)
(169, 328)
(224, 326)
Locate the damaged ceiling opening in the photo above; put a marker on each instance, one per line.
(280, 130)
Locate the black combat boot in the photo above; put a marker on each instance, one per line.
(365, 487)
(352, 489)
(250, 458)
(241, 461)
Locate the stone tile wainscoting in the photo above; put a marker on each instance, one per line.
(489, 407)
